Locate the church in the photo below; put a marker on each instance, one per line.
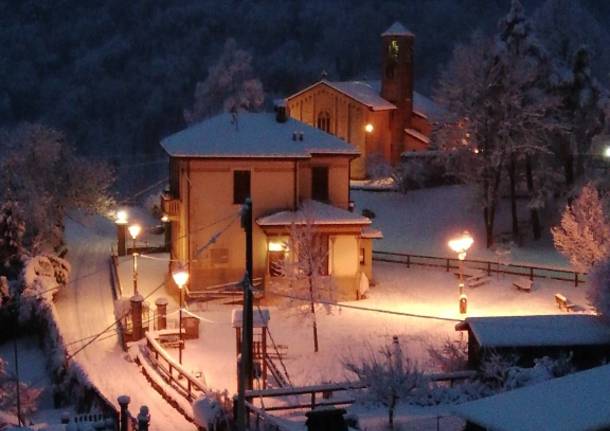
(385, 118)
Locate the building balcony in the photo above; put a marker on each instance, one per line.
(170, 206)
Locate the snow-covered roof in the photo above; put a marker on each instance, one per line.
(371, 233)
(417, 135)
(547, 330)
(397, 29)
(254, 135)
(260, 317)
(426, 107)
(360, 91)
(319, 213)
(575, 402)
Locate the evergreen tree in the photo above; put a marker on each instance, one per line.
(584, 233)
(12, 229)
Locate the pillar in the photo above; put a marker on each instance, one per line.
(124, 403)
(161, 304)
(121, 233)
(136, 317)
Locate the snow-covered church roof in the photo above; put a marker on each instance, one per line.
(575, 402)
(397, 29)
(253, 135)
(545, 330)
(317, 213)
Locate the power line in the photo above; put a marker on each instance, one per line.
(375, 310)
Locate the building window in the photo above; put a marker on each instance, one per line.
(324, 121)
(362, 258)
(319, 183)
(241, 186)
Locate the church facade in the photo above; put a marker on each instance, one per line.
(384, 118)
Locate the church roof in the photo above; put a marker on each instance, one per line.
(254, 135)
(397, 29)
(360, 91)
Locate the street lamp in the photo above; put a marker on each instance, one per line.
(368, 128)
(607, 152)
(134, 231)
(460, 245)
(181, 277)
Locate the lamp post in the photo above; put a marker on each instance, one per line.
(181, 277)
(460, 245)
(134, 231)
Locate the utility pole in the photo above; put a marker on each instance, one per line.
(16, 354)
(245, 364)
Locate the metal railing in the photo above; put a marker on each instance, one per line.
(448, 263)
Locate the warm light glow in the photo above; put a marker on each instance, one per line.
(369, 128)
(121, 217)
(164, 218)
(461, 244)
(134, 230)
(607, 152)
(276, 246)
(476, 151)
(181, 277)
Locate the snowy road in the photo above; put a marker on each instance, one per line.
(85, 308)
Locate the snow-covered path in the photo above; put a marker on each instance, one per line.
(85, 308)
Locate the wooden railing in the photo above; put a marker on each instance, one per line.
(324, 395)
(490, 267)
(172, 371)
(170, 206)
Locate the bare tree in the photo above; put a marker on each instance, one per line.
(304, 268)
(229, 86)
(389, 376)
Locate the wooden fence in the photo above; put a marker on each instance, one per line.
(490, 267)
(172, 371)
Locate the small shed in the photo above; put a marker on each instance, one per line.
(576, 402)
(530, 337)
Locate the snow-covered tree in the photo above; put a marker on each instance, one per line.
(229, 86)
(584, 232)
(41, 173)
(303, 280)
(12, 229)
(599, 288)
(389, 376)
(28, 396)
(583, 110)
(450, 355)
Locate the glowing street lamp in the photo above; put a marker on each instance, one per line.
(607, 152)
(134, 231)
(460, 245)
(181, 277)
(368, 128)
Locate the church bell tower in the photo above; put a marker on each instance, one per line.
(397, 79)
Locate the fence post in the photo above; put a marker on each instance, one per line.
(161, 304)
(447, 264)
(532, 273)
(313, 400)
(124, 403)
(136, 317)
(575, 279)
(143, 419)
(488, 268)
(408, 261)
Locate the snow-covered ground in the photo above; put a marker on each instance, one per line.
(86, 307)
(422, 221)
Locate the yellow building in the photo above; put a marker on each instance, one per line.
(384, 117)
(279, 163)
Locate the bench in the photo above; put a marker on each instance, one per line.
(524, 284)
(478, 278)
(170, 337)
(563, 303)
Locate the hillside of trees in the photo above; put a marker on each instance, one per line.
(116, 76)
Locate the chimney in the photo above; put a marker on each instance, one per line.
(281, 116)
